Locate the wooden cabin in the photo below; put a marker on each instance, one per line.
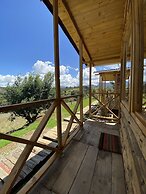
(84, 160)
(108, 93)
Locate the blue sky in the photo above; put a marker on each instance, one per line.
(27, 36)
(26, 43)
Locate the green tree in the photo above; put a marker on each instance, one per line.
(29, 89)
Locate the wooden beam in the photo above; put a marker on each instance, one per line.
(50, 139)
(70, 96)
(57, 72)
(104, 117)
(70, 122)
(81, 80)
(90, 89)
(71, 112)
(138, 55)
(50, 8)
(25, 141)
(33, 104)
(104, 105)
(76, 27)
(109, 93)
(111, 59)
(27, 150)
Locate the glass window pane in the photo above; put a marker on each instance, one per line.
(127, 73)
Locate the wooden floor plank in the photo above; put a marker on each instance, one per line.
(118, 180)
(50, 177)
(83, 180)
(79, 135)
(80, 170)
(102, 183)
(91, 135)
(67, 176)
(40, 190)
(102, 127)
(55, 170)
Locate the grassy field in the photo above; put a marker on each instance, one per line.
(7, 125)
(51, 123)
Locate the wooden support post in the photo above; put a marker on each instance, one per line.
(100, 87)
(138, 55)
(57, 71)
(123, 73)
(90, 89)
(81, 81)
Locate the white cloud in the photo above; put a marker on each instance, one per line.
(64, 69)
(7, 79)
(76, 69)
(41, 67)
(66, 78)
(86, 76)
(72, 68)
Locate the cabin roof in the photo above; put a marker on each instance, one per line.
(110, 75)
(99, 24)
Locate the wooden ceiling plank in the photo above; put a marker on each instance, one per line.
(99, 24)
(76, 26)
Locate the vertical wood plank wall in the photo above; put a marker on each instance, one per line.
(133, 130)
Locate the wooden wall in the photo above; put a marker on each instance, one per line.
(134, 153)
(133, 123)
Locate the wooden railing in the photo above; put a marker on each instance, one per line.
(35, 136)
(106, 101)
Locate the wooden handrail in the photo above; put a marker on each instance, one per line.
(37, 103)
(106, 93)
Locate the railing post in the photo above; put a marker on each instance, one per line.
(90, 89)
(81, 80)
(57, 71)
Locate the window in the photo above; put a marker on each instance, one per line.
(128, 72)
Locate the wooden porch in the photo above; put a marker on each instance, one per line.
(102, 32)
(83, 168)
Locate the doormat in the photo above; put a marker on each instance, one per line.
(110, 143)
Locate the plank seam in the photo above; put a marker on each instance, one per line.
(93, 171)
(78, 169)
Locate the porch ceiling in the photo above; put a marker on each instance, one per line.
(99, 23)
